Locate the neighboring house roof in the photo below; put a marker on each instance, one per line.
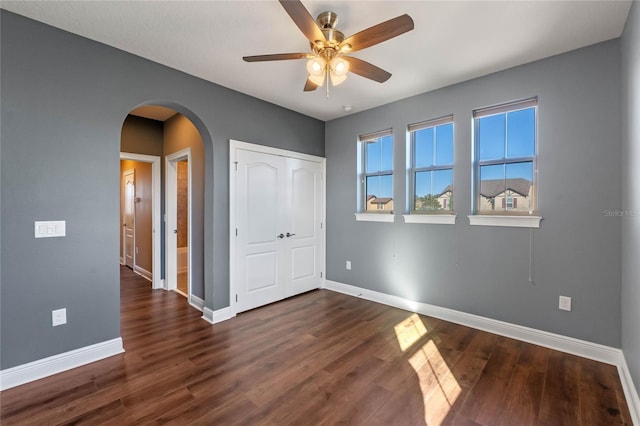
(373, 199)
(444, 191)
(492, 187)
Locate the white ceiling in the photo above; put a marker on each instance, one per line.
(453, 41)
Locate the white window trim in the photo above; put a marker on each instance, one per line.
(374, 217)
(508, 221)
(436, 219)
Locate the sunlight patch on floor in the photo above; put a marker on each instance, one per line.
(439, 388)
(409, 331)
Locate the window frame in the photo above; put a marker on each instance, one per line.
(412, 170)
(363, 141)
(504, 217)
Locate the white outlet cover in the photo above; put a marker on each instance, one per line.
(59, 317)
(564, 303)
(348, 265)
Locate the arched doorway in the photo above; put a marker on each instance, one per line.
(162, 132)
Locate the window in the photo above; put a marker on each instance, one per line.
(431, 166)
(377, 172)
(505, 159)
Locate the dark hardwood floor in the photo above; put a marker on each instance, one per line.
(319, 358)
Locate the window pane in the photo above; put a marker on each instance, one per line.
(444, 144)
(379, 193)
(521, 133)
(492, 187)
(386, 153)
(373, 156)
(423, 147)
(491, 137)
(379, 154)
(433, 190)
(519, 186)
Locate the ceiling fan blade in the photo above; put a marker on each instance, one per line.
(367, 70)
(379, 33)
(276, 57)
(310, 86)
(303, 19)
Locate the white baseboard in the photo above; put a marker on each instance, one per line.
(122, 261)
(630, 392)
(196, 302)
(49, 366)
(218, 315)
(143, 273)
(590, 350)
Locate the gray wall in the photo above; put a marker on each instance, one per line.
(64, 100)
(631, 192)
(485, 270)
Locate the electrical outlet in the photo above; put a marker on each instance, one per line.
(565, 303)
(348, 265)
(59, 317)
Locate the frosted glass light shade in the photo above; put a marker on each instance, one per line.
(315, 66)
(318, 80)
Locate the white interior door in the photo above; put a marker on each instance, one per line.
(128, 221)
(278, 214)
(260, 222)
(303, 231)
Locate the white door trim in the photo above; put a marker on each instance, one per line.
(234, 146)
(170, 209)
(155, 211)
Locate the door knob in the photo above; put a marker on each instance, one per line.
(290, 235)
(175, 231)
(280, 236)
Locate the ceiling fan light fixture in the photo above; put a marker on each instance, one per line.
(337, 79)
(318, 80)
(339, 66)
(315, 66)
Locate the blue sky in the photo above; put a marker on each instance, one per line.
(519, 129)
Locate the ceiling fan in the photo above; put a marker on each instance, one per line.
(327, 59)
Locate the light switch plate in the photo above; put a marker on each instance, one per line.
(50, 228)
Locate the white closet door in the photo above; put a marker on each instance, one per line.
(260, 218)
(278, 215)
(304, 243)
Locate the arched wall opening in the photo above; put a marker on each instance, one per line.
(165, 130)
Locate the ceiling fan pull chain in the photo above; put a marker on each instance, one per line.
(327, 79)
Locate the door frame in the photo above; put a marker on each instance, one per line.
(234, 146)
(171, 194)
(156, 281)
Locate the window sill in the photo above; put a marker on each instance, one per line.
(374, 217)
(510, 221)
(437, 219)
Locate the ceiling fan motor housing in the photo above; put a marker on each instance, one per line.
(327, 22)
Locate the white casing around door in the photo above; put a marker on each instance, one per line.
(278, 216)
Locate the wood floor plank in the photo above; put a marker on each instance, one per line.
(319, 358)
(561, 397)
